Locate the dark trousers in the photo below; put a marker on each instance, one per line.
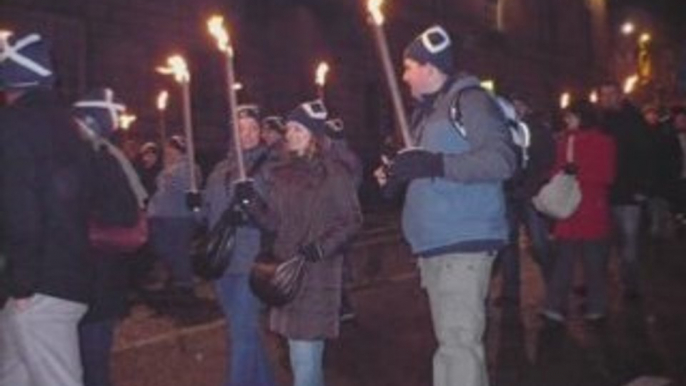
(536, 226)
(95, 342)
(171, 240)
(594, 255)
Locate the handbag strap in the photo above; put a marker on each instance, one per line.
(570, 149)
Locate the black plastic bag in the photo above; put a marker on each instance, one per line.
(212, 252)
(277, 283)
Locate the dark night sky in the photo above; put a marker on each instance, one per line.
(672, 12)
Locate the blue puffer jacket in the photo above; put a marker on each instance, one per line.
(465, 210)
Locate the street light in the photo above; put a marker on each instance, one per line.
(628, 28)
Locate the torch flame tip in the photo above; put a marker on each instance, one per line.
(176, 65)
(374, 8)
(215, 25)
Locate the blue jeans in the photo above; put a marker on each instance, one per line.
(171, 241)
(95, 341)
(306, 362)
(249, 364)
(537, 229)
(627, 221)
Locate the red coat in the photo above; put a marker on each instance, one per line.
(594, 154)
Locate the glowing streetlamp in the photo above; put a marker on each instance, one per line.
(215, 26)
(176, 66)
(628, 28)
(376, 20)
(593, 96)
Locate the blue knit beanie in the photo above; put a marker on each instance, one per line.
(432, 46)
(24, 62)
(312, 115)
(248, 111)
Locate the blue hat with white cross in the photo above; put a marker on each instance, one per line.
(100, 111)
(24, 61)
(312, 115)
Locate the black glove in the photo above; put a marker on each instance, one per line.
(237, 216)
(571, 168)
(416, 163)
(392, 188)
(193, 201)
(312, 252)
(245, 193)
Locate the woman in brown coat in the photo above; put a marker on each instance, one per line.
(312, 209)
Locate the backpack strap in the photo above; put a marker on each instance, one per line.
(456, 109)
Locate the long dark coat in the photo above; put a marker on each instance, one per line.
(312, 200)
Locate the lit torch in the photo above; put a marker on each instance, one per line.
(176, 66)
(216, 27)
(320, 79)
(565, 100)
(126, 120)
(630, 84)
(162, 101)
(376, 20)
(4, 37)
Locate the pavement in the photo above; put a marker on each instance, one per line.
(390, 341)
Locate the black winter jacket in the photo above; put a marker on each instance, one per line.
(634, 162)
(45, 198)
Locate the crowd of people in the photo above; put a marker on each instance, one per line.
(467, 197)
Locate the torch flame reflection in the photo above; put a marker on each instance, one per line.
(374, 8)
(176, 65)
(216, 27)
(320, 77)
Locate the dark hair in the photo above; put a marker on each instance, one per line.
(586, 112)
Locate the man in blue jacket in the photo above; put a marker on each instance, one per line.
(454, 213)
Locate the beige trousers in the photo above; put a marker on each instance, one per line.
(457, 285)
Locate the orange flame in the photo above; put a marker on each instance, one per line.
(162, 99)
(320, 76)
(176, 65)
(126, 120)
(565, 100)
(215, 25)
(630, 84)
(374, 8)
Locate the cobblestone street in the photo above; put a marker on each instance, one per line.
(390, 343)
